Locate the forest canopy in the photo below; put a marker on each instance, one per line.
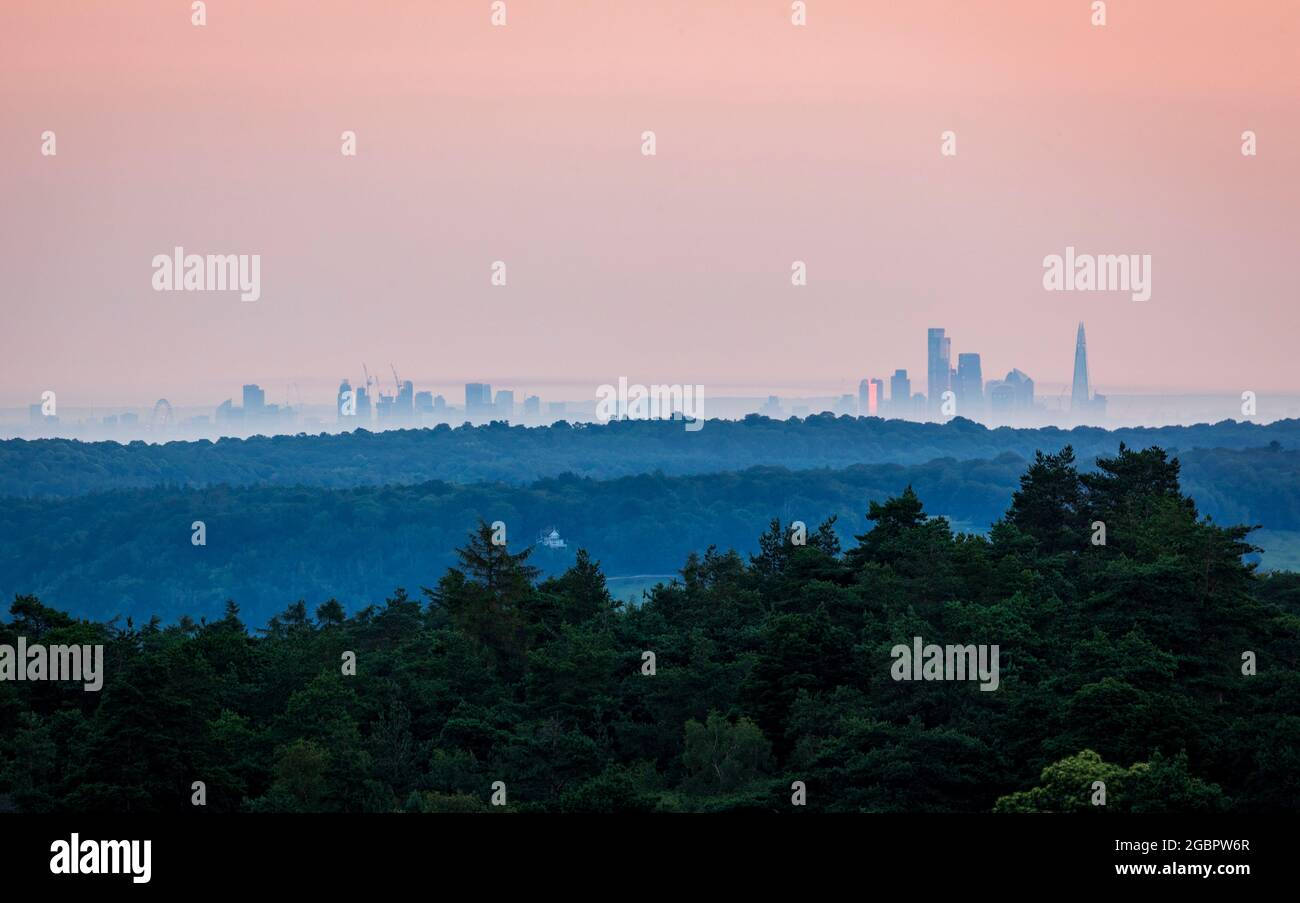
(1122, 662)
(130, 553)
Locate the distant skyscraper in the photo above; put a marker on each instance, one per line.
(532, 408)
(1079, 394)
(969, 386)
(1024, 388)
(1002, 397)
(876, 400)
(1013, 395)
(478, 401)
(864, 398)
(254, 399)
(900, 394)
(404, 406)
(505, 404)
(363, 406)
(424, 402)
(347, 399)
(938, 366)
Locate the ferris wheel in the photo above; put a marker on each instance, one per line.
(162, 416)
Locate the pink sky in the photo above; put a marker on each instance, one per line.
(522, 144)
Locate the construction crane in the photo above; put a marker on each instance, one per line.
(370, 380)
(397, 381)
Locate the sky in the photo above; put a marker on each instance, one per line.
(774, 143)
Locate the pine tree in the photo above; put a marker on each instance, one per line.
(1049, 503)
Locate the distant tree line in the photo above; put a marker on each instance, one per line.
(1122, 663)
(130, 552)
(519, 455)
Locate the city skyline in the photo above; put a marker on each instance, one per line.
(368, 403)
(372, 403)
(965, 378)
(491, 147)
(320, 386)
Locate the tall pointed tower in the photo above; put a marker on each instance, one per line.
(1079, 395)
